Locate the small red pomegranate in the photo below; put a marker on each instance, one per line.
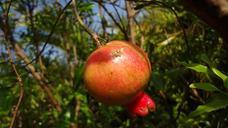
(141, 105)
(116, 73)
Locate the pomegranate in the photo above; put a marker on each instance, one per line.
(116, 73)
(141, 105)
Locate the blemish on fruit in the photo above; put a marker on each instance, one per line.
(116, 53)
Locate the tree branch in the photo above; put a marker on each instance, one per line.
(19, 80)
(31, 6)
(213, 12)
(90, 32)
(130, 16)
(6, 24)
(114, 20)
(141, 43)
(162, 4)
(119, 17)
(20, 53)
(50, 34)
(103, 20)
(38, 77)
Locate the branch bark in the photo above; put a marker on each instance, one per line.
(51, 33)
(122, 29)
(19, 80)
(103, 20)
(90, 32)
(130, 15)
(213, 12)
(31, 6)
(20, 53)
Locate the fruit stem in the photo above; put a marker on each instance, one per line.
(95, 38)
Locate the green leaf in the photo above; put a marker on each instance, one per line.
(86, 7)
(219, 101)
(196, 67)
(222, 76)
(219, 74)
(204, 86)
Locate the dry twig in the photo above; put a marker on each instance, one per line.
(50, 34)
(19, 80)
(130, 16)
(20, 53)
(103, 20)
(6, 31)
(90, 32)
(162, 4)
(122, 29)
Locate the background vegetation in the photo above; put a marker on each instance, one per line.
(43, 48)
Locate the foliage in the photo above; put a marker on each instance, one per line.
(189, 81)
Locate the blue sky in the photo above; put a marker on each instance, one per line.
(96, 17)
(96, 24)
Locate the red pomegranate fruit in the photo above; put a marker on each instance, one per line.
(141, 105)
(116, 73)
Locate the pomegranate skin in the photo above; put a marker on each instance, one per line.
(116, 72)
(141, 105)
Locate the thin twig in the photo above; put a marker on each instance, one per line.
(186, 90)
(42, 82)
(142, 37)
(159, 3)
(103, 20)
(121, 20)
(14, 68)
(77, 108)
(90, 32)
(6, 20)
(50, 34)
(130, 16)
(8, 9)
(20, 53)
(122, 29)
(115, 4)
(19, 80)
(31, 7)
